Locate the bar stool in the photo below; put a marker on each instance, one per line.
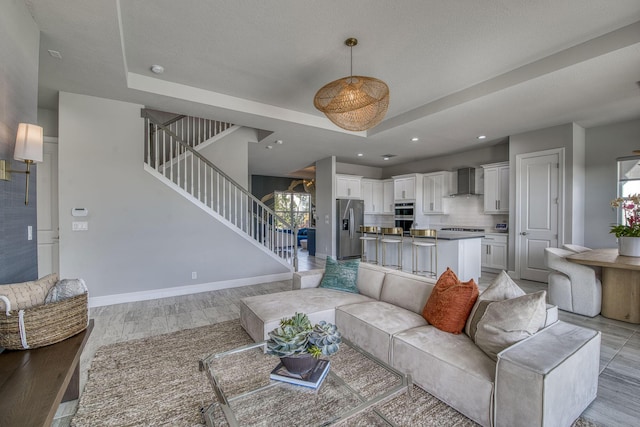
(422, 239)
(365, 229)
(392, 236)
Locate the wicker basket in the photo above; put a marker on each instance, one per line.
(43, 324)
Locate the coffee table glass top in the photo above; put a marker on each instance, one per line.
(245, 395)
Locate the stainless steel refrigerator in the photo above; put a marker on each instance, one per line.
(350, 216)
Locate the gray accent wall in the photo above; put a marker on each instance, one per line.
(604, 145)
(325, 207)
(48, 119)
(19, 44)
(450, 162)
(142, 235)
(571, 138)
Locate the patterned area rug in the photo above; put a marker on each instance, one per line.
(156, 381)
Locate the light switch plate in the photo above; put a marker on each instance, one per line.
(80, 226)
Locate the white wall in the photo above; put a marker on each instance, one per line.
(604, 144)
(142, 235)
(230, 154)
(578, 178)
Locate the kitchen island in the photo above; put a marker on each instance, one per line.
(460, 251)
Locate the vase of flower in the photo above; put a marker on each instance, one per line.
(628, 234)
(629, 246)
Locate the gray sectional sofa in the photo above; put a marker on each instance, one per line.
(547, 379)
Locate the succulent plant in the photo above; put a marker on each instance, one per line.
(326, 337)
(296, 335)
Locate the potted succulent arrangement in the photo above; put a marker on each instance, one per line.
(299, 344)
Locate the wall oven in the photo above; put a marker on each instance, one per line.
(404, 216)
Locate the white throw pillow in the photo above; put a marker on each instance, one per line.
(502, 288)
(500, 324)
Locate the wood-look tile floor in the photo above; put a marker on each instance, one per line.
(617, 404)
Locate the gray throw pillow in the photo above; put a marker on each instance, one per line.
(500, 324)
(341, 276)
(66, 288)
(502, 287)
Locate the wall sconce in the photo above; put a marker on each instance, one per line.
(29, 149)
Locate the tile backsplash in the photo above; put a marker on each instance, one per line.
(462, 211)
(466, 211)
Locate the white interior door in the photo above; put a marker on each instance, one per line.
(47, 195)
(539, 198)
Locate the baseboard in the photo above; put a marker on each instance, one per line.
(185, 290)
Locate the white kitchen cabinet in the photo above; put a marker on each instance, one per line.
(388, 205)
(348, 187)
(494, 251)
(496, 188)
(404, 187)
(436, 185)
(372, 194)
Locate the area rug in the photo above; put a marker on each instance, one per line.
(156, 382)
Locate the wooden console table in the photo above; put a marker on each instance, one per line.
(620, 282)
(34, 382)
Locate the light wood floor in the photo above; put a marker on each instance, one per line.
(617, 404)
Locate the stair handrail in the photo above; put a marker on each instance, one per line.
(194, 152)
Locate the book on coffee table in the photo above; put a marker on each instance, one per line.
(312, 379)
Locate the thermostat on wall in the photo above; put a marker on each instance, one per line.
(79, 212)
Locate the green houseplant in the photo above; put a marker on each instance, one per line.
(628, 234)
(299, 344)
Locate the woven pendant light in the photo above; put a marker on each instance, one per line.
(353, 103)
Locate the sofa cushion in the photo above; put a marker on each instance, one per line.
(28, 294)
(341, 275)
(450, 302)
(370, 279)
(261, 313)
(500, 324)
(370, 325)
(406, 290)
(501, 288)
(451, 367)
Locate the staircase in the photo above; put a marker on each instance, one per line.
(171, 155)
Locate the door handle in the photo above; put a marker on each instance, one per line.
(523, 233)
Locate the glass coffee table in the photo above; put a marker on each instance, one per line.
(245, 395)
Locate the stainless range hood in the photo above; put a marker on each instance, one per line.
(466, 182)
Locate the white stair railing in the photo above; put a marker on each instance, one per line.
(170, 156)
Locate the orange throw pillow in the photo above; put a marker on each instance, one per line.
(450, 302)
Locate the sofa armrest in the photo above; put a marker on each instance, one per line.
(549, 378)
(307, 279)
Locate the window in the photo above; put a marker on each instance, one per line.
(628, 179)
(295, 208)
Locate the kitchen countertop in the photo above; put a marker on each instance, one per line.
(457, 235)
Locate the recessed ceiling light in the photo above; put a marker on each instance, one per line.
(279, 142)
(415, 139)
(157, 69)
(360, 154)
(269, 147)
(55, 53)
(482, 137)
(385, 158)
